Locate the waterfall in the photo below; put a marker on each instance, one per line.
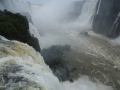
(87, 12)
(34, 32)
(15, 6)
(115, 24)
(108, 8)
(50, 20)
(21, 67)
(38, 15)
(98, 7)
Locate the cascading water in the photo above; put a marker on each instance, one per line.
(104, 21)
(34, 31)
(98, 7)
(39, 13)
(87, 13)
(21, 67)
(57, 28)
(115, 24)
(15, 6)
(24, 68)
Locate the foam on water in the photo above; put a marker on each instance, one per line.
(84, 83)
(31, 71)
(35, 74)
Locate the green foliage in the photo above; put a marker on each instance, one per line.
(2, 18)
(14, 26)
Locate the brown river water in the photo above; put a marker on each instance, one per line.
(97, 57)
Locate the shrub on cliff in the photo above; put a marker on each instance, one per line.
(15, 27)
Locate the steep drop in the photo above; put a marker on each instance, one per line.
(22, 67)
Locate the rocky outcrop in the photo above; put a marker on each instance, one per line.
(16, 27)
(54, 57)
(107, 18)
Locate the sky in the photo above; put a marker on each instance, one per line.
(37, 1)
(46, 1)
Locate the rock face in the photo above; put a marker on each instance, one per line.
(15, 27)
(54, 57)
(107, 18)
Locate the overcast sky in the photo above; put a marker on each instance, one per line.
(45, 1)
(37, 1)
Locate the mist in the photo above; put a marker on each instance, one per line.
(84, 83)
(59, 23)
(56, 19)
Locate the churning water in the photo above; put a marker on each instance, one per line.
(21, 68)
(95, 58)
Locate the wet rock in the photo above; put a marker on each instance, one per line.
(106, 20)
(73, 69)
(71, 80)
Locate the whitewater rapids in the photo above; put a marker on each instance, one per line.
(22, 68)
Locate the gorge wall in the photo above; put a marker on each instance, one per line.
(107, 18)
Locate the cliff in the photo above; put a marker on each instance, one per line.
(15, 27)
(107, 18)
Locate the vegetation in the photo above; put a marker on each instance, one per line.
(15, 27)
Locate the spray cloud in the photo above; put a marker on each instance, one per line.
(56, 19)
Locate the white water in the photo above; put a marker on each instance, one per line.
(15, 6)
(115, 24)
(54, 27)
(34, 31)
(50, 19)
(35, 71)
(53, 30)
(99, 7)
(87, 13)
